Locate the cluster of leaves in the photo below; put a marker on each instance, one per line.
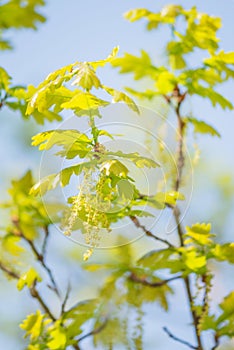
(141, 282)
(106, 182)
(200, 33)
(17, 14)
(28, 219)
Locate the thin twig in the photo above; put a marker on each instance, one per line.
(149, 233)
(94, 331)
(166, 330)
(217, 342)
(9, 272)
(65, 299)
(35, 294)
(45, 241)
(33, 291)
(39, 256)
(145, 282)
(41, 259)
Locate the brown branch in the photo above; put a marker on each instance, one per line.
(35, 294)
(145, 282)
(176, 212)
(149, 233)
(180, 152)
(9, 272)
(33, 291)
(65, 299)
(39, 256)
(217, 342)
(94, 331)
(41, 260)
(166, 330)
(45, 241)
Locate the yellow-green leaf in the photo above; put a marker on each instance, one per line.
(33, 325)
(28, 279)
(84, 101)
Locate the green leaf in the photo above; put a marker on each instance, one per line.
(86, 77)
(193, 261)
(168, 198)
(140, 213)
(5, 45)
(200, 234)
(45, 184)
(226, 319)
(14, 14)
(166, 82)
(176, 61)
(66, 173)
(78, 315)
(139, 66)
(84, 101)
(167, 15)
(139, 294)
(202, 127)
(10, 244)
(58, 338)
(5, 79)
(136, 14)
(49, 116)
(114, 167)
(211, 94)
(156, 259)
(136, 158)
(224, 252)
(109, 59)
(73, 142)
(28, 279)
(33, 325)
(105, 133)
(47, 95)
(149, 94)
(222, 62)
(119, 96)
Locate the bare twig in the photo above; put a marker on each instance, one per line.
(217, 342)
(35, 294)
(145, 282)
(166, 330)
(33, 291)
(41, 259)
(149, 233)
(94, 331)
(65, 298)
(39, 256)
(45, 241)
(9, 272)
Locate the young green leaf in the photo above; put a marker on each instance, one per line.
(202, 127)
(28, 279)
